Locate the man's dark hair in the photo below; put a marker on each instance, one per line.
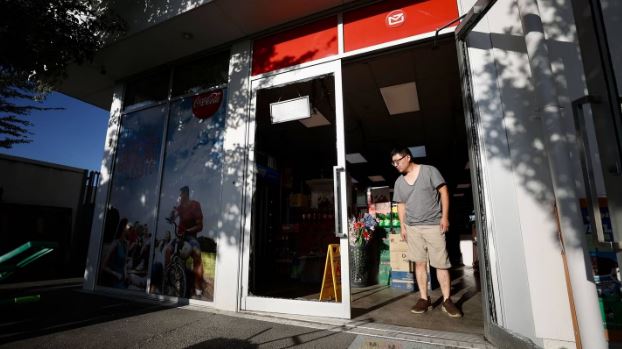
(185, 189)
(403, 151)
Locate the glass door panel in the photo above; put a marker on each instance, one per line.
(295, 197)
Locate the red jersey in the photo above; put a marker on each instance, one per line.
(189, 214)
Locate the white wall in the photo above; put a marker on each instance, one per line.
(228, 269)
(533, 300)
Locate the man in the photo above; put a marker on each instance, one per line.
(190, 224)
(423, 209)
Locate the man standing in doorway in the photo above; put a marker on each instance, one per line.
(423, 208)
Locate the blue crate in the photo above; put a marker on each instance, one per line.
(404, 285)
(402, 280)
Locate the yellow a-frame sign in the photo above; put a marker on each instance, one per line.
(331, 282)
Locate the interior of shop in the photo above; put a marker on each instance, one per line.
(409, 96)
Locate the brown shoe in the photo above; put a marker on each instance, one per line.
(450, 308)
(421, 306)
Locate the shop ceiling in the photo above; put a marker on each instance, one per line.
(161, 32)
(438, 125)
(369, 127)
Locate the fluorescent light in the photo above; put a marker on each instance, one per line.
(316, 119)
(400, 98)
(355, 158)
(291, 109)
(418, 151)
(463, 186)
(376, 178)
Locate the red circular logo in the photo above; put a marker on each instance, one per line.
(395, 18)
(206, 104)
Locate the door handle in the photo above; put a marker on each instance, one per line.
(337, 171)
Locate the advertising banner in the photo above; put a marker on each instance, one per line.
(184, 256)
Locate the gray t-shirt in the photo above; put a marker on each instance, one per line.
(423, 205)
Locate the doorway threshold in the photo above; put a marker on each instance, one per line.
(371, 334)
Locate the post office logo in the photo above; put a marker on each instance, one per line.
(395, 18)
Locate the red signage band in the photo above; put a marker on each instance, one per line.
(382, 22)
(393, 20)
(296, 46)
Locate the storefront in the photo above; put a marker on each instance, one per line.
(260, 151)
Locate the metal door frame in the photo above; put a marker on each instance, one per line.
(292, 306)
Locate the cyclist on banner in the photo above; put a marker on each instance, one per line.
(190, 224)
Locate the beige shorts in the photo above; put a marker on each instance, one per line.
(425, 242)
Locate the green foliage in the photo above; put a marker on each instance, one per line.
(38, 40)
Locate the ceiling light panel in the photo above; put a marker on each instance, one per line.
(401, 98)
(418, 151)
(355, 158)
(376, 178)
(316, 119)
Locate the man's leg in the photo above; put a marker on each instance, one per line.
(448, 305)
(418, 254)
(444, 280)
(421, 273)
(198, 271)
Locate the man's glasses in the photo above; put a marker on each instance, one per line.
(395, 162)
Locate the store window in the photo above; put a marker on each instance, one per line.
(146, 90)
(130, 217)
(201, 74)
(187, 229)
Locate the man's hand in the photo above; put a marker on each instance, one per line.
(444, 225)
(403, 233)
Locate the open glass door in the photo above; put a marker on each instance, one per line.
(295, 243)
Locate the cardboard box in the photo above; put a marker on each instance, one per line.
(399, 261)
(397, 244)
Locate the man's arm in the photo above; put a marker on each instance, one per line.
(444, 208)
(401, 213)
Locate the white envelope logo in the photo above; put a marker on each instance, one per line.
(396, 18)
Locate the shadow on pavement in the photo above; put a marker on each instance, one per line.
(62, 308)
(228, 343)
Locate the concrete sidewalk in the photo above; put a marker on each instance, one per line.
(65, 317)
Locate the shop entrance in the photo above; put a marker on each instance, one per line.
(298, 194)
(409, 97)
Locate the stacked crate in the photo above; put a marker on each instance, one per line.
(401, 273)
(384, 268)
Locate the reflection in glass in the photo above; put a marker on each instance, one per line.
(146, 90)
(130, 217)
(293, 219)
(201, 74)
